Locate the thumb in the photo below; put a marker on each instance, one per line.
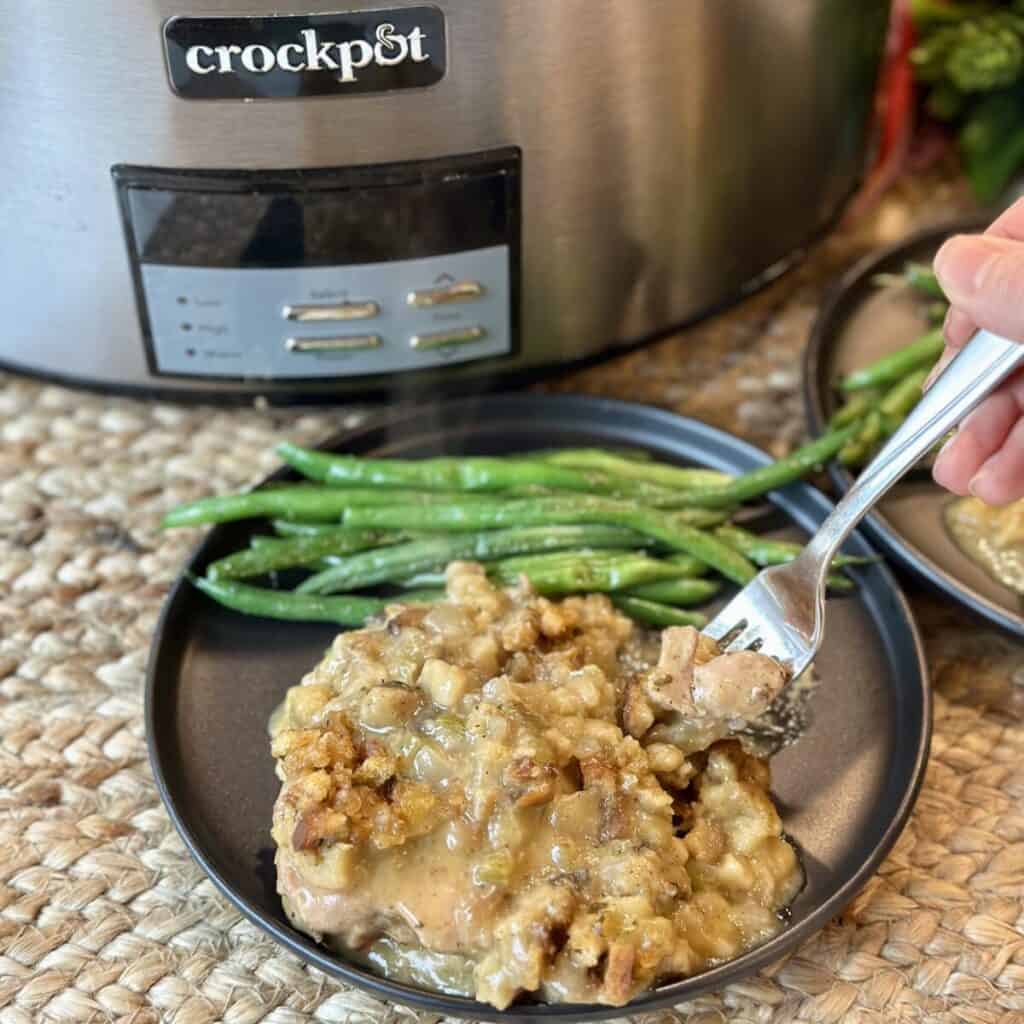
(983, 277)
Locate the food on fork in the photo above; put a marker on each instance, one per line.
(502, 795)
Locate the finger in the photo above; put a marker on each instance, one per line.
(983, 276)
(958, 328)
(1010, 223)
(1000, 480)
(980, 436)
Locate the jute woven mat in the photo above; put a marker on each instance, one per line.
(104, 917)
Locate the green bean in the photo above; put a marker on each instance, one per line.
(683, 566)
(632, 454)
(651, 613)
(626, 467)
(259, 541)
(666, 527)
(776, 474)
(895, 366)
(936, 313)
(872, 429)
(429, 595)
(855, 408)
(420, 580)
(918, 276)
(296, 528)
(890, 424)
(921, 277)
(480, 475)
(760, 550)
(278, 604)
(853, 453)
(840, 582)
(860, 447)
(901, 400)
(303, 502)
(404, 560)
(591, 506)
(453, 473)
(316, 564)
(690, 515)
(640, 493)
(271, 554)
(765, 551)
(687, 564)
(678, 592)
(568, 572)
(384, 537)
(905, 395)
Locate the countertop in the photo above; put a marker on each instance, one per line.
(104, 917)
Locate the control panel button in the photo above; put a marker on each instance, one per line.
(331, 311)
(458, 291)
(345, 343)
(438, 339)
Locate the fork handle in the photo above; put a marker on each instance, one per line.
(981, 366)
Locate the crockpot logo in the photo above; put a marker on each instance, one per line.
(390, 49)
(288, 56)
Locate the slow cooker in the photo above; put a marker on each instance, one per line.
(300, 199)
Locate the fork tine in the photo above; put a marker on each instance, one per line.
(719, 627)
(730, 637)
(746, 638)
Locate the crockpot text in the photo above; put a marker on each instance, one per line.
(312, 54)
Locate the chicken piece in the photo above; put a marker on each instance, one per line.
(740, 685)
(735, 686)
(675, 669)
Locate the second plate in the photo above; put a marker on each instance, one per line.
(861, 323)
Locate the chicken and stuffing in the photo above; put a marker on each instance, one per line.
(992, 538)
(503, 796)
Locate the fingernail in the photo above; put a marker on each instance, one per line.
(962, 262)
(975, 484)
(944, 361)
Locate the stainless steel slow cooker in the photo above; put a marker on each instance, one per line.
(299, 198)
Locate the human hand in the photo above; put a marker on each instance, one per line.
(983, 277)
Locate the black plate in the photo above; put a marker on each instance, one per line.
(845, 789)
(860, 323)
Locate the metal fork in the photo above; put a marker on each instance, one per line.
(781, 612)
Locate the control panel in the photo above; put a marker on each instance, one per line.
(344, 273)
(329, 321)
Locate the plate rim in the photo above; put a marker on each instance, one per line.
(714, 978)
(837, 307)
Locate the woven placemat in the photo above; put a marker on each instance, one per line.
(103, 915)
